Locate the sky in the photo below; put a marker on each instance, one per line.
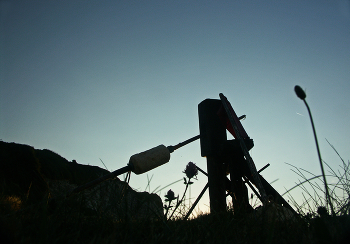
(104, 80)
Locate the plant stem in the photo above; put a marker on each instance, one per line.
(167, 210)
(178, 204)
(328, 200)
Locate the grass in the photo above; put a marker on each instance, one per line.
(313, 190)
(76, 225)
(71, 222)
(81, 219)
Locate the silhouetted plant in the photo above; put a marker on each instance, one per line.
(339, 192)
(301, 94)
(169, 197)
(191, 172)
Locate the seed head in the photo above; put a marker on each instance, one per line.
(300, 92)
(170, 196)
(191, 170)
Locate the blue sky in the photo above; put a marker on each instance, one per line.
(108, 79)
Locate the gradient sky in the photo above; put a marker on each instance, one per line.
(107, 79)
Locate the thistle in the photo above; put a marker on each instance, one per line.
(169, 197)
(191, 170)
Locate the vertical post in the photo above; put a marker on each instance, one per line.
(238, 168)
(212, 137)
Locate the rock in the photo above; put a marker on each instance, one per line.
(20, 172)
(274, 213)
(31, 175)
(114, 198)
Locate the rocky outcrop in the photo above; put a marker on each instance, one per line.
(20, 172)
(113, 198)
(32, 175)
(274, 213)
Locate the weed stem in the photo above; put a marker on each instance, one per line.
(328, 200)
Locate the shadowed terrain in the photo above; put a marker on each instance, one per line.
(112, 212)
(32, 176)
(24, 171)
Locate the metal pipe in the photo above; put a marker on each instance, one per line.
(267, 165)
(181, 144)
(196, 202)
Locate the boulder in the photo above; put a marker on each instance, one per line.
(112, 198)
(274, 213)
(29, 175)
(20, 172)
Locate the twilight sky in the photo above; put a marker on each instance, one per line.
(107, 79)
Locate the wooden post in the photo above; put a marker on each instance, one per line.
(237, 168)
(212, 137)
